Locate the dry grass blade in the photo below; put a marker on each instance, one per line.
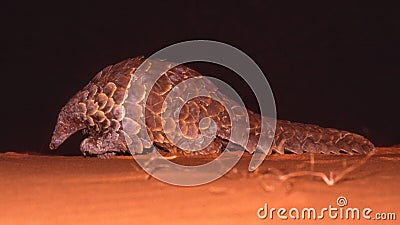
(329, 180)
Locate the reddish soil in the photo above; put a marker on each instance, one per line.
(76, 190)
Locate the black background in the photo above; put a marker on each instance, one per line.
(335, 63)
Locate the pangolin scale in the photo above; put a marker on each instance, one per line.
(115, 123)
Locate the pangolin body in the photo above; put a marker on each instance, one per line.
(113, 121)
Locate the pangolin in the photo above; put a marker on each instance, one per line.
(113, 121)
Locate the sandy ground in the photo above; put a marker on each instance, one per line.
(76, 190)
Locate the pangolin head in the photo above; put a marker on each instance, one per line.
(70, 120)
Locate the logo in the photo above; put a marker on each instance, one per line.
(211, 52)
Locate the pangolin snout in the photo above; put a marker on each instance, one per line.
(53, 146)
(55, 143)
(66, 126)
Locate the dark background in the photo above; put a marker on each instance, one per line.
(335, 63)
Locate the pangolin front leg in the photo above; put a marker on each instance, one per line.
(117, 123)
(107, 144)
